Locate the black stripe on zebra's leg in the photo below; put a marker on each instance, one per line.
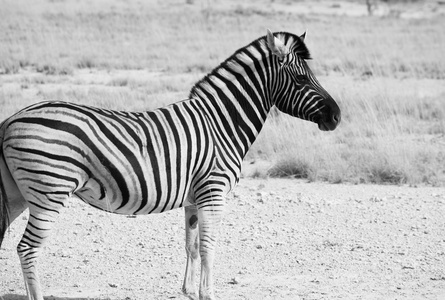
(193, 221)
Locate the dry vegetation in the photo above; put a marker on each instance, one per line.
(387, 74)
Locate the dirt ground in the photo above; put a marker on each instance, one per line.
(280, 239)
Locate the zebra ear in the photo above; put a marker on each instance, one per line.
(276, 45)
(303, 36)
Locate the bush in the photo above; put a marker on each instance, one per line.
(86, 63)
(387, 174)
(290, 167)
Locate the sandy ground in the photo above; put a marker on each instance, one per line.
(280, 239)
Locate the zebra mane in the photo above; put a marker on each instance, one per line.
(294, 42)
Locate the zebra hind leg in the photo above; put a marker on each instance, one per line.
(16, 206)
(12, 203)
(192, 250)
(40, 223)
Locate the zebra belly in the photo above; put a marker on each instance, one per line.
(97, 195)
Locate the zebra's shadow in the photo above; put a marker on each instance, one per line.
(21, 297)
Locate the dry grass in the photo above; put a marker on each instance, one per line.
(170, 35)
(386, 136)
(386, 73)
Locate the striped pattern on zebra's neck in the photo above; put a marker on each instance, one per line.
(238, 89)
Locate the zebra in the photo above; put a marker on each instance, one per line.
(187, 154)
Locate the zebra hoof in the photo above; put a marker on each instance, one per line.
(191, 294)
(206, 296)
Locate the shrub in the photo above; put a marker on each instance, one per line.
(49, 69)
(86, 63)
(387, 174)
(290, 167)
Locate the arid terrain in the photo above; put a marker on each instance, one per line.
(280, 239)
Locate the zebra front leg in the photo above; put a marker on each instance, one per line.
(209, 215)
(191, 248)
(36, 233)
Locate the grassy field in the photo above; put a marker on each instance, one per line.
(387, 74)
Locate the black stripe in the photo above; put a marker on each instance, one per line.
(46, 183)
(179, 152)
(50, 174)
(35, 227)
(52, 193)
(42, 207)
(194, 115)
(164, 142)
(32, 233)
(41, 162)
(55, 157)
(152, 156)
(41, 220)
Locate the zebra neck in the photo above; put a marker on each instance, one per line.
(235, 108)
(236, 96)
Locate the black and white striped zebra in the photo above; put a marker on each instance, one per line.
(187, 154)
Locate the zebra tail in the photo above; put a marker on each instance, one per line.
(4, 215)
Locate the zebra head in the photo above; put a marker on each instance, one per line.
(297, 92)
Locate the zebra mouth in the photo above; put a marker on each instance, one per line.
(330, 116)
(322, 126)
(326, 125)
(328, 122)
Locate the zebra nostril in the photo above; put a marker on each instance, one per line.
(336, 118)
